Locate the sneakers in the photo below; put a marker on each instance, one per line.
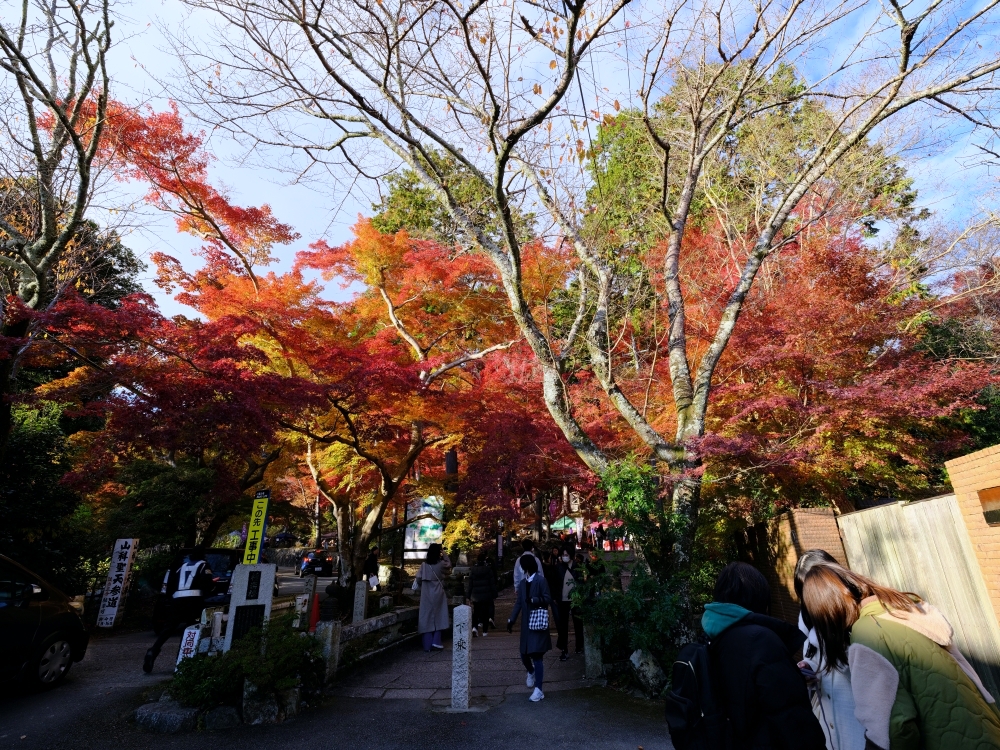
(147, 663)
(564, 656)
(536, 696)
(475, 633)
(485, 634)
(439, 648)
(530, 680)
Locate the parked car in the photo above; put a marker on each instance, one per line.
(222, 562)
(285, 539)
(43, 634)
(317, 563)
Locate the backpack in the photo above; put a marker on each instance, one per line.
(694, 717)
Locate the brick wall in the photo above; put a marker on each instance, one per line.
(969, 474)
(774, 548)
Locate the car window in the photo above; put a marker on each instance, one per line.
(15, 585)
(218, 562)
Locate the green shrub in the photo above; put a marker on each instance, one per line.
(274, 657)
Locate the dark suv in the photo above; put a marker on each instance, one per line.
(42, 634)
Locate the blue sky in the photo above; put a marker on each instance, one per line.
(142, 56)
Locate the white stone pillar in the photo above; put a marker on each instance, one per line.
(461, 658)
(360, 600)
(328, 634)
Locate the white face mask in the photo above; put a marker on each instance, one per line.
(565, 558)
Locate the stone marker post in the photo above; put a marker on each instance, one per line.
(360, 601)
(250, 605)
(593, 660)
(328, 634)
(461, 657)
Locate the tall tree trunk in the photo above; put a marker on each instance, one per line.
(317, 522)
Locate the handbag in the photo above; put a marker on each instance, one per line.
(538, 619)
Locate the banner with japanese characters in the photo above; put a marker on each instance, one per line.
(113, 599)
(189, 643)
(257, 528)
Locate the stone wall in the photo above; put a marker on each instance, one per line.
(775, 546)
(972, 477)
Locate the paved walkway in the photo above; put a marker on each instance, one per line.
(497, 671)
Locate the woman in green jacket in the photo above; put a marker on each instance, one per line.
(931, 698)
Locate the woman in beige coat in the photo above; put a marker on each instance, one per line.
(433, 599)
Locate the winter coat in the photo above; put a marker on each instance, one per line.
(832, 698)
(433, 599)
(553, 577)
(481, 585)
(759, 685)
(532, 594)
(569, 575)
(371, 566)
(939, 704)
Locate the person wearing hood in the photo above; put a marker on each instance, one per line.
(929, 697)
(757, 682)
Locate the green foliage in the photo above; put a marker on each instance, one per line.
(460, 536)
(657, 611)
(412, 206)
(274, 657)
(43, 524)
(162, 502)
(634, 499)
(205, 681)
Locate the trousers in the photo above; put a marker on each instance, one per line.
(183, 612)
(535, 665)
(562, 627)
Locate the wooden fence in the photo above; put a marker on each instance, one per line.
(924, 547)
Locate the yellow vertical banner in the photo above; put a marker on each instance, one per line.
(257, 527)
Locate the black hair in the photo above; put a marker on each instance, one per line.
(481, 558)
(529, 564)
(433, 554)
(745, 586)
(527, 545)
(809, 560)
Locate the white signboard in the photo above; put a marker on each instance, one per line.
(427, 531)
(118, 576)
(189, 642)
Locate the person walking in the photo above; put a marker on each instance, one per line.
(186, 586)
(433, 616)
(481, 590)
(533, 601)
(570, 571)
(931, 698)
(762, 692)
(529, 549)
(370, 569)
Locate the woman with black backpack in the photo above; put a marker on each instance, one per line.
(533, 600)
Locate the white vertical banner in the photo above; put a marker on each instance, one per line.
(118, 576)
(189, 643)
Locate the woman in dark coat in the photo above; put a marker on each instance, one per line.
(481, 588)
(758, 683)
(532, 594)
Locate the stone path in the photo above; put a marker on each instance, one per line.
(497, 671)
